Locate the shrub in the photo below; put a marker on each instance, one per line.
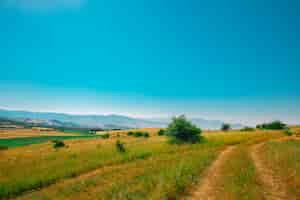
(247, 128)
(130, 133)
(258, 126)
(288, 132)
(182, 131)
(225, 127)
(3, 147)
(275, 125)
(58, 144)
(138, 134)
(120, 146)
(146, 135)
(105, 136)
(161, 132)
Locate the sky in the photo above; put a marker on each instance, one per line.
(236, 61)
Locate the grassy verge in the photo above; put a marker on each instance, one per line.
(283, 157)
(238, 179)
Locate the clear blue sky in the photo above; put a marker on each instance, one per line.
(231, 60)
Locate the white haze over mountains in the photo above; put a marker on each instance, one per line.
(102, 121)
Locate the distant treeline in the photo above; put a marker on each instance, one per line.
(73, 130)
(275, 125)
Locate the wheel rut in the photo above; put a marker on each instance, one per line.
(205, 190)
(273, 187)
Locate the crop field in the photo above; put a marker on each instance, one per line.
(224, 165)
(21, 133)
(18, 141)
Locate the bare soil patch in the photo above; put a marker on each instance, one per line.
(273, 187)
(207, 186)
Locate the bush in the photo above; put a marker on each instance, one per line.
(161, 132)
(105, 136)
(146, 135)
(258, 126)
(3, 147)
(120, 146)
(225, 127)
(275, 125)
(247, 128)
(182, 131)
(130, 133)
(58, 144)
(288, 132)
(138, 134)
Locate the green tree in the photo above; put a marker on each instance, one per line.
(275, 125)
(161, 132)
(130, 133)
(247, 128)
(138, 134)
(182, 131)
(225, 127)
(58, 144)
(146, 134)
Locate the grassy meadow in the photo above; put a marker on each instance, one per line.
(151, 168)
(283, 157)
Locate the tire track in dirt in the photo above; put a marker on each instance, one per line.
(273, 187)
(82, 179)
(205, 190)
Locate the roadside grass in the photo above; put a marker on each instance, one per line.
(283, 157)
(38, 166)
(238, 179)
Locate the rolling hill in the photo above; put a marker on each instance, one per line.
(99, 121)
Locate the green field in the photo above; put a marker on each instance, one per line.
(18, 142)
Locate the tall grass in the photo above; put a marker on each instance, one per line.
(156, 177)
(37, 166)
(238, 179)
(283, 157)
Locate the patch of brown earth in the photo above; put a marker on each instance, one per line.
(207, 186)
(273, 187)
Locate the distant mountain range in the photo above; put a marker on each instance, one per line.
(99, 121)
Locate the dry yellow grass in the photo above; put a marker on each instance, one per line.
(281, 159)
(155, 167)
(19, 133)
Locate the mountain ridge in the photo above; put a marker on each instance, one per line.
(103, 121)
